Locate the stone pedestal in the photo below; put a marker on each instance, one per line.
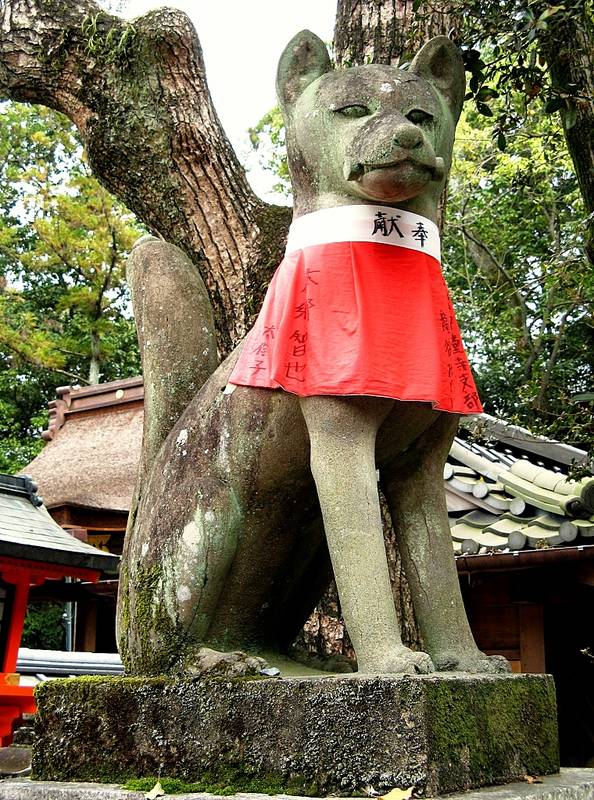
(440, 733)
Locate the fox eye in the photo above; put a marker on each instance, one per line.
(418, 117)
(353, 111)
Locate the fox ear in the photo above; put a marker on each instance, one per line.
(440, 63)
(304, 59)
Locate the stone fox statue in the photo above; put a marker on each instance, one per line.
(267, 483)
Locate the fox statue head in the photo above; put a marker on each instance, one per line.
(369, 134)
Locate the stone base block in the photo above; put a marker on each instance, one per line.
(307, 736)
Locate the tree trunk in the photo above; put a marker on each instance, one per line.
(138, 96)
(95, 364)
(568, 47)
(387, 31)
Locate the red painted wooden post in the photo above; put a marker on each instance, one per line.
(21, 580)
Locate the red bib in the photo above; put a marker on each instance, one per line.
(359, 306)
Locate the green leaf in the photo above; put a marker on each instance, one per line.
(586, 397)
(487, 93)
(501, 141)
(549, 12)
(554, 104)
(484, 110)
(472, 55)
(416, 5)
(570, 116)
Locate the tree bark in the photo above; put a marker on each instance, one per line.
(568, 47)
(139, 98)
(95, 365)
(387, 31)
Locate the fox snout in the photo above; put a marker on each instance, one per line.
(382, 147)
(407, 136)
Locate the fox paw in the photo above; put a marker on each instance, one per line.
(398, 661)
(473, 663)
(208, 663)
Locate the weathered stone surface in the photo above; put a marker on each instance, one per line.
(225, 548)
(439, 732)
(14, 760)
(49, 790)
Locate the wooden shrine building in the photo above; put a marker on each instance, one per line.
(86, 474)
(33, 549)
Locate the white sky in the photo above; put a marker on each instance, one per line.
(242, 41)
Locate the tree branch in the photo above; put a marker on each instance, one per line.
(138, 94)
(35, 362)
(545, 378)
(485, 260)
(566, 44)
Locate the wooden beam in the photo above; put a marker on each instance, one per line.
(18, 609)
(93, 519)
(86, 625)
(585, 574)
(532, 650)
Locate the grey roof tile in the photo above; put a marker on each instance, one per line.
(479, 519)
(28, 532)
(506, 524)
(584, 526)
(519, 502)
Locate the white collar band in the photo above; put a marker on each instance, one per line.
(365, 223)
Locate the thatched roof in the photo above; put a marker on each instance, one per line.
(93, 447)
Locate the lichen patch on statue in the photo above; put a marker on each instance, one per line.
(359, 305)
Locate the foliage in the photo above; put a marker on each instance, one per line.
(267, 137)
(527, 55)
(64, 306)
(524, 291)
(44, 626)
(502, 47)
(22, 416)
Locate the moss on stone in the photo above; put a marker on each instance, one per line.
(150, 618)
(228, 780)
(86, 698)
(480, 744)
(123, 616)
(288, 736)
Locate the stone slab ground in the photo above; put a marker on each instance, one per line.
(570, 784)
(314, 736)
(14, 760)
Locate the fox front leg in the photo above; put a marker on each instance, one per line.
(414, 490)
(342, 434)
